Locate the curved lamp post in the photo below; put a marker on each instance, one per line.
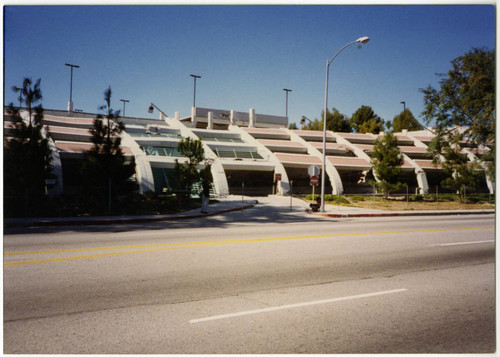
(303, 120)
(362, 40)
(152, 107)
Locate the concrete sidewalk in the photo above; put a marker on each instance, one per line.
(353, 212)
(224, 205)
(271, 204)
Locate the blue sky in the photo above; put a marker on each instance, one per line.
(246, 55)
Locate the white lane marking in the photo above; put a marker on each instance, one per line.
(464, 243)
(293, 306)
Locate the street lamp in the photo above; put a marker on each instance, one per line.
(153, 107)
(362, 40)
(404, 106)
(70, 104)
(124, 101)
(194, 95)
(286, 110)
(303, 120)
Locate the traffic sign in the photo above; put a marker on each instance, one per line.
(314, 180)
(313, 170)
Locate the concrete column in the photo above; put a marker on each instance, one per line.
(193, 116)
(56, 166)
(284, 186)
(177, 116)
(210, 124)
(423, 185)
(231, 117)
(251, 118)
(143, 170)
(70, 107)
(489, 182)
(218, 173)
(331, 171)
(220, 180)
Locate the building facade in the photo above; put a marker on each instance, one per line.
(249, 153)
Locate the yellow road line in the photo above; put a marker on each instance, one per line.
(99, 248)
(171, 246)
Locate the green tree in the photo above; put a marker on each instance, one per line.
(27, 154)
(461, 173)
(292, 126)
(335, 121)
(316, 125)
(104, 170)
(405, 120)
(364, 120)
(187, 175)
(387, 161)
(466, 98)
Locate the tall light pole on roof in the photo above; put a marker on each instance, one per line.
(70, 104)
(194, 95)
(361, 40)
(286, 105)
(124, 101)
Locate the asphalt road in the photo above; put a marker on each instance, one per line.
(284, 285)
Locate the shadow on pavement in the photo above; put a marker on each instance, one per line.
(259, 214)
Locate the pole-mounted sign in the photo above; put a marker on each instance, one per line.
(313, 170)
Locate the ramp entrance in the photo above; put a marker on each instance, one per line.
(256, 183)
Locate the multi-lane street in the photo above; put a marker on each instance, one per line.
(231, 285)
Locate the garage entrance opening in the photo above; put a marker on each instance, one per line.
(257, 183)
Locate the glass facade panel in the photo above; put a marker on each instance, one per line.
(161, 151)
(223, 140)
(163, 178)
(238, 154)
(151, 135)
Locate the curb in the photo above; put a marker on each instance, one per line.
(135, 220)
(393, 214)
(96, 221)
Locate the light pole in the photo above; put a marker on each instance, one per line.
(362, 40)
(404, 106)
(303, 120)
(286, 105)
(124, 101)
(70, 104)
(194, 95)
(152, 107)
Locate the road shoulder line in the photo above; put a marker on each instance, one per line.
(294, 306)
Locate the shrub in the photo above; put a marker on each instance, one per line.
(357, 198)
(336, 199)
(480, 198)
(330, 198)
(416, 198)
(447, 197)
